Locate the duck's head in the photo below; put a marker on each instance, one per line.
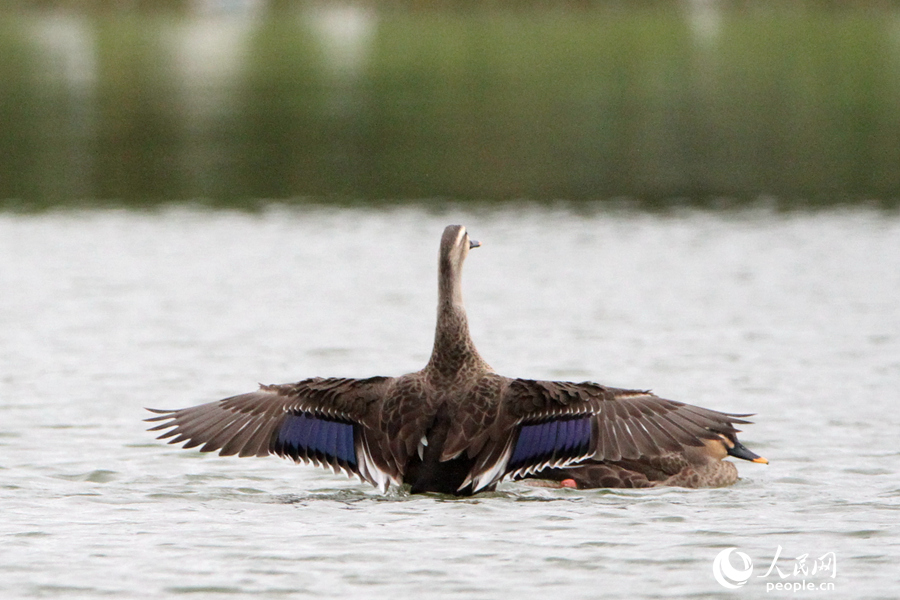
(455, 246)
(730, 446)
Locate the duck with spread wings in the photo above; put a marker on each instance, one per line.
(457, 427)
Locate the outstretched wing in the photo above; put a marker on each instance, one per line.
(554, 423)
(327, 422)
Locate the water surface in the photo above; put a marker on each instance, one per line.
(790, 316)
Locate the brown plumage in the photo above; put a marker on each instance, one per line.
(456, 427)
(692, 467)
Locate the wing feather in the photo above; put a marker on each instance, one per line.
(626, 424)
(320, 421)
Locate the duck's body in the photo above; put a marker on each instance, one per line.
(693, 467)
(456, 426)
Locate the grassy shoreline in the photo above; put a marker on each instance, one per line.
(659, 103)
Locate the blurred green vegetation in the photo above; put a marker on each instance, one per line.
(658, 102)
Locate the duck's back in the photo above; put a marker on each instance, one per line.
(438, 429)
(427, 472)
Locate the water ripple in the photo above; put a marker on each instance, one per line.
(104, 313)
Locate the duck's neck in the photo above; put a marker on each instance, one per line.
(454, 352)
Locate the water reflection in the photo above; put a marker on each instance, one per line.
(230, 101)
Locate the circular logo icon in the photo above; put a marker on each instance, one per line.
(726, 574)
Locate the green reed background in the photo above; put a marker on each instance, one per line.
(652, 101)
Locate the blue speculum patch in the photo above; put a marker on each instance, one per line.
(303, 435)
(540, 442)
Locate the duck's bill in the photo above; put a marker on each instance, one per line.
(474, 244)
(741, 451)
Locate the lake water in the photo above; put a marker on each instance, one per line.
(791, 316)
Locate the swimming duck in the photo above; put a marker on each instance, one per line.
(692, 467)
(454, 427)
